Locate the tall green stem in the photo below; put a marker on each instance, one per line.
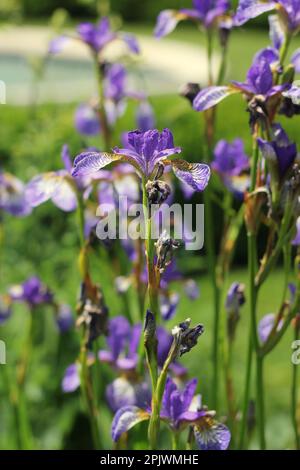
(294, 396)
(104, 125)
(246, 392)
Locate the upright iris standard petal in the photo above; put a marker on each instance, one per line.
(209, 97)
(195, 174)
(125, 419)
(212, 435)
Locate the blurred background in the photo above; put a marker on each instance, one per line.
(42, 94)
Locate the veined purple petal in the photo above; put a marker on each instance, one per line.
(195, 174)
(209, 97)
(71, 380)
(295, 60)
(88, 163)
(212, 435)
(125, 419)
(249, 9)
(166, 23)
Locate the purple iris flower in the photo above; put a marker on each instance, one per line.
(145, 151)
(280, 151)
(179, 412)
(64, 318)
(128, 392)
(205, 12)
(31, 291)
(123, 341)
(71, 379)
(259, 82)
(12, 196)
(288, 10)
(230, 158)
(97, 37)
(59, 186)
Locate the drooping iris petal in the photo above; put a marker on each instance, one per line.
(88, 163)
(209, 97)
(167, 21)
(195, 174)
(71, 380)
(249, 9)
(41, 188)
(211, 435)
(125, 419)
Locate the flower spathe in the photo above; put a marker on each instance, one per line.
(145, 151)
(178, 411)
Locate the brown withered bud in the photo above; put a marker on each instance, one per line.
(258, 112)
(185, 337)
(189, 91)
(165, 247)
(157, 192)
(93, 313)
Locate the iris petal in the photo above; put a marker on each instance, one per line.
(125, 419)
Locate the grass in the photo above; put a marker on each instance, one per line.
(46, 243)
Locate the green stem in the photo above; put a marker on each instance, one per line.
(175, 440)
(104, 125)
(246, 392)
(294, 407)
(260, 401)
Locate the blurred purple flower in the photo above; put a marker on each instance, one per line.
(12, 196)
(145, 151)
(230, 158)
(87, 120)
(31, 291)
(128, 392)
(288, 10)
(191, 289)
(64, 318)
(178, 411)
(168, 304)
(71, 379)
(205, 12)
(145, 116)
(296, 240)
(97, 37)
(280, 151)
(267, 325)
